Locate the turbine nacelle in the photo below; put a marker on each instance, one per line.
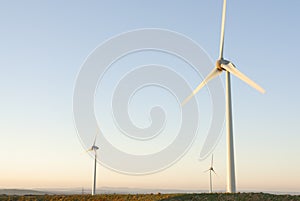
(95, 148)
(221, 62)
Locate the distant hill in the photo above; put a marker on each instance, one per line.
(113, 190)
(22, 192)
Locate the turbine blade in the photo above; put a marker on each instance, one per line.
(215, 72)
(206, 171)
(95, 139)
(222, 30)
(212, 160)
(215, 172)
(90, 149)
(231, 68)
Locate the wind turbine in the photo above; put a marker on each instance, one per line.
(229, 68)
(94, 148)
(211, 169)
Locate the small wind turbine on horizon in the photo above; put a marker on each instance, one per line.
(94, 148)
(229, 68)
(211, 169)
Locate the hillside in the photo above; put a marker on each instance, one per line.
(157, 197)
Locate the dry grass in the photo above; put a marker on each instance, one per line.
(156, 197)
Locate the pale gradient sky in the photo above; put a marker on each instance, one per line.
(43, 45)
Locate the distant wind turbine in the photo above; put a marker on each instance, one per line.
(211, 169)
(94, 148)
(229, 68)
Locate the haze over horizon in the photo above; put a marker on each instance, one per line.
(44, 44)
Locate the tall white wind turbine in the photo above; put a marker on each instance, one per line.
(229, 68)
(211, 169)
(94, 148)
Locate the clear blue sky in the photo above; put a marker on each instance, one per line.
(43, 45)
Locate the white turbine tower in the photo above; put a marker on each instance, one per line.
(94, 148)
(229, 68)
(211, 169)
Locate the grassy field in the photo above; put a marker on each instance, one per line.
(155, 197)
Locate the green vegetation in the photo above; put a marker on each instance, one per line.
(156, 197)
